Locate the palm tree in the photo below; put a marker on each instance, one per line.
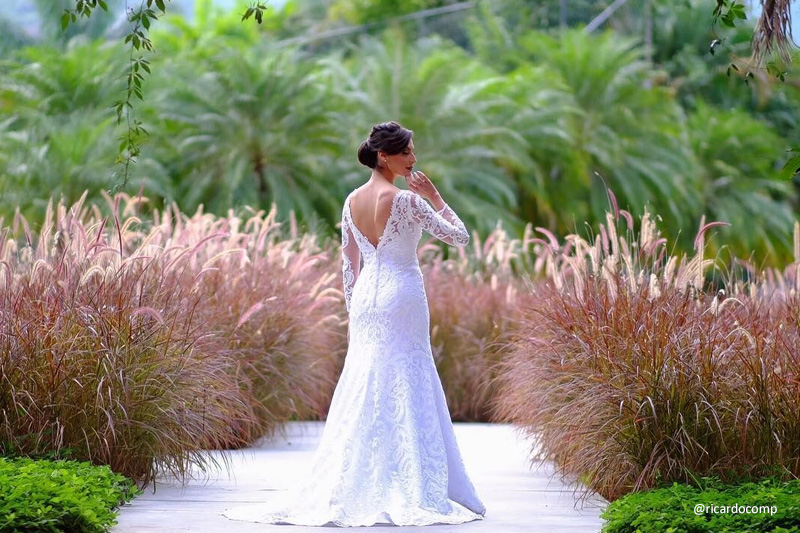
(51, 82)
(543, 114)
(57, 158)
(623, 132)
(210, 26)
(452, 102)
(246, 126)
(741, 182)
(61, 157)
(58, 130)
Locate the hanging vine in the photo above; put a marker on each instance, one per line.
(140, 18)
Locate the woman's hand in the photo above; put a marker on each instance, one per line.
(419, 183)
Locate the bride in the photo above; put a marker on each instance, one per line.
(387, 453)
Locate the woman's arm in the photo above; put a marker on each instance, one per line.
(351, 260)
(444, 225)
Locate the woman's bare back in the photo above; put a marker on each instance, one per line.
(370, 208)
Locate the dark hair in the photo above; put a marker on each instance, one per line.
(389, 137)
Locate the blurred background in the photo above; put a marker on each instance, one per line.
(523, 112)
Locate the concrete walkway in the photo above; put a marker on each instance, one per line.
(517, 498)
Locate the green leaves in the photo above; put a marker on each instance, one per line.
(60, 495)
(738, 157)
(792, 167)
(66, 18)
(83, 8)
(729, 11)
(138, 39)
(672, 508)
(777, 70)
(257, 10)
(617, 130)
(143, 16)
(254, 128)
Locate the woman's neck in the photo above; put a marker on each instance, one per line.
(382, 175)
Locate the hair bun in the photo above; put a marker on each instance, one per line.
(367, 155)
(389, 137)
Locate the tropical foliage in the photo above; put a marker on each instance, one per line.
(136, 335)
(737, 157)
(621, 135)
(521, 126)
(57, 129)
(250, 129)
(366, 11)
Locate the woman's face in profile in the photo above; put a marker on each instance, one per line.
(403, 163)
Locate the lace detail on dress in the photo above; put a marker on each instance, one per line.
(388, 452)
(444, 225)
(351, 258)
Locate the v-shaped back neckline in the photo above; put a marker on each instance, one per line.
(385, 228)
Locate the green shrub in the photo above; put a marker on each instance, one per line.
(60, 495)
(676, 508)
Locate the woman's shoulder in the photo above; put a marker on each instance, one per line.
(379, 192)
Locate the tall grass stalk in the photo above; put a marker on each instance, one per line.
(630, 372)
(141, 344)
(473, 299)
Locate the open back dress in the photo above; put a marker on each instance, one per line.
(387, 453)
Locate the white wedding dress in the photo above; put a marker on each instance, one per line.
(387, 453)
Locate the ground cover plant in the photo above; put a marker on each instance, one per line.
(769, 506)
(43, 495)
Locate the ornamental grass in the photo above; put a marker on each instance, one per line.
(631, 369)
(142, 343)
(474, 299)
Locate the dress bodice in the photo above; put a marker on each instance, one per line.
(409, 215)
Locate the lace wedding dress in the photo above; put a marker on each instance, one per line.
(387, 453)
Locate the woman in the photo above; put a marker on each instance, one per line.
(388, 453)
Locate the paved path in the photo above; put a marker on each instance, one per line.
(518, 499)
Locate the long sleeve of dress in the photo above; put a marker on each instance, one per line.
(444, 225)
(351, 260)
